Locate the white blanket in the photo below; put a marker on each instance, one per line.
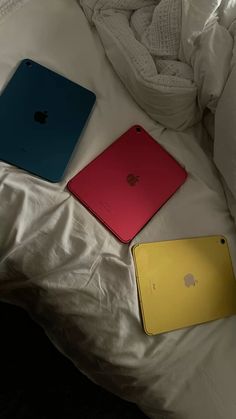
(172, 55)
(72, 275)
(7, 6)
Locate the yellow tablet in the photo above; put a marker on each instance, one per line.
(184, 282)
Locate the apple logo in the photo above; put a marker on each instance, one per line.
(41, 117)
(132, 179)
(190, 281)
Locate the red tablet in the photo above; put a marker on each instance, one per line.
(128, 182)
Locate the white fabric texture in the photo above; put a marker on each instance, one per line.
(71, 274)
(172, 55)
(7, 6)
(225, 133)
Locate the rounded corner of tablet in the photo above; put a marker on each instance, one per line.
(69, 185)
(123, 239)
(94, 96)
(147, 331)
(135, 248)
(54, 178)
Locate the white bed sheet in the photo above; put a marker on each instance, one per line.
(8, 6)
(73, 276)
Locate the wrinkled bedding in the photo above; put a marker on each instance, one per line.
(172, 55)
(73, 277)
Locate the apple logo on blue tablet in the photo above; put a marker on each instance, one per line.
(41, 117)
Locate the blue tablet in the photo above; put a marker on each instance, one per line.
(42, 115)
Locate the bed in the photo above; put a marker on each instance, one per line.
(60, 264)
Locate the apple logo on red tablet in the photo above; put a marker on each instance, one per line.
(41, 117)
(132, 179)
